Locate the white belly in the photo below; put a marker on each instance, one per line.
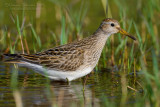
(58, 75)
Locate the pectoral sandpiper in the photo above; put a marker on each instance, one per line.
(70, 61)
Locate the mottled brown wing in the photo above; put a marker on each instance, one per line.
(64, 58)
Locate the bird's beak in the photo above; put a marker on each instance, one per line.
(123, 32)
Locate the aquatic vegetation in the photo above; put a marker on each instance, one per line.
(56, 22)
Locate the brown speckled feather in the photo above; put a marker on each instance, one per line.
(67, 57)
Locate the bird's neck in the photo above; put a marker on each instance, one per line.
(100, 35)
(98, 39)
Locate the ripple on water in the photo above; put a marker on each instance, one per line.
(36, 90)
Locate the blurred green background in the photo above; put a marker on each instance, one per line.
(29, 26)
(50, 18)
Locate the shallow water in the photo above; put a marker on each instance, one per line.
(36, 90)
(102, 85)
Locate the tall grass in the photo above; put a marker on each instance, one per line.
(14, 85)
(141, 20)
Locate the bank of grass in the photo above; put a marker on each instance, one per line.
(133, 57)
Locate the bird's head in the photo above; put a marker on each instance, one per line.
(111, 26)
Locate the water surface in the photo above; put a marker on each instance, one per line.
(36, 90)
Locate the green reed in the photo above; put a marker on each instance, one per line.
(63, 36)
(36, 37)
(141, 21)
(14, 86)
(152, 84)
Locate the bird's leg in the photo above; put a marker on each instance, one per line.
(67, 81)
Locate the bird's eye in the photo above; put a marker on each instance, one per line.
(112, 24)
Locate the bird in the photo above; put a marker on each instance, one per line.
(73, 60)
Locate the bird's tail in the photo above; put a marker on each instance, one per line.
(21, 58)
(12, 58)
(12, 55)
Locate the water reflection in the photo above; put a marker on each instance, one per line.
(36, 90)
(64, 94)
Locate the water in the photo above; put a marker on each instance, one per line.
(102, 85)
(36, 91)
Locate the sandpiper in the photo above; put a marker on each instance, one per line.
(70, 61)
